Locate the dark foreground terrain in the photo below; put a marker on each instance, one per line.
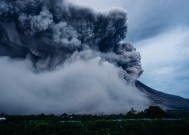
(98, 127)
(152, 121)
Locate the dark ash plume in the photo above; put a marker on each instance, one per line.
(48, 30)
(51, 33)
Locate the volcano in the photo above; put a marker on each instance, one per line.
(167, 101)
(58, 57)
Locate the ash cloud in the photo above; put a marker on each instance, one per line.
(81, 87)
(56, 44)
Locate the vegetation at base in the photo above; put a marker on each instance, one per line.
(152, 121)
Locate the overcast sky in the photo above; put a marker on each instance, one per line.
(160, 32)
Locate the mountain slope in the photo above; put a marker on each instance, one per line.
(170, 102)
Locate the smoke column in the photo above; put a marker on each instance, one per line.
(58, 57)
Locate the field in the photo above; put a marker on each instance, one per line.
(95, 127)
(152, 121)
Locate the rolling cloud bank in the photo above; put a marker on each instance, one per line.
(58, 57)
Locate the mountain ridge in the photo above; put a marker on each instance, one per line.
(166, 101)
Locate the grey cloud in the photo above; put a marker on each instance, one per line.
(79, 87)
(66, 36)
(149, 18)
(47, 30)
(61, 41)
(41, 22)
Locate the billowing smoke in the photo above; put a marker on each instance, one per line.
(57, 57)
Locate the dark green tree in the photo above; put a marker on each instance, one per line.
(154, 112)
(131, 114)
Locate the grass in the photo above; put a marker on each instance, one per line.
(95, 127)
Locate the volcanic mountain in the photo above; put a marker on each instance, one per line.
(58, 57)
(167, 101)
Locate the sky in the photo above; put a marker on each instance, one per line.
(160, 32)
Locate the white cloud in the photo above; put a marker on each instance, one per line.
(80, 87)
(99, 5)
(165, 48)
(164, 59)
(165, 70)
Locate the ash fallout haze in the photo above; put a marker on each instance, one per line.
(59, 57)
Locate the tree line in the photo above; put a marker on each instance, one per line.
(153, 112)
